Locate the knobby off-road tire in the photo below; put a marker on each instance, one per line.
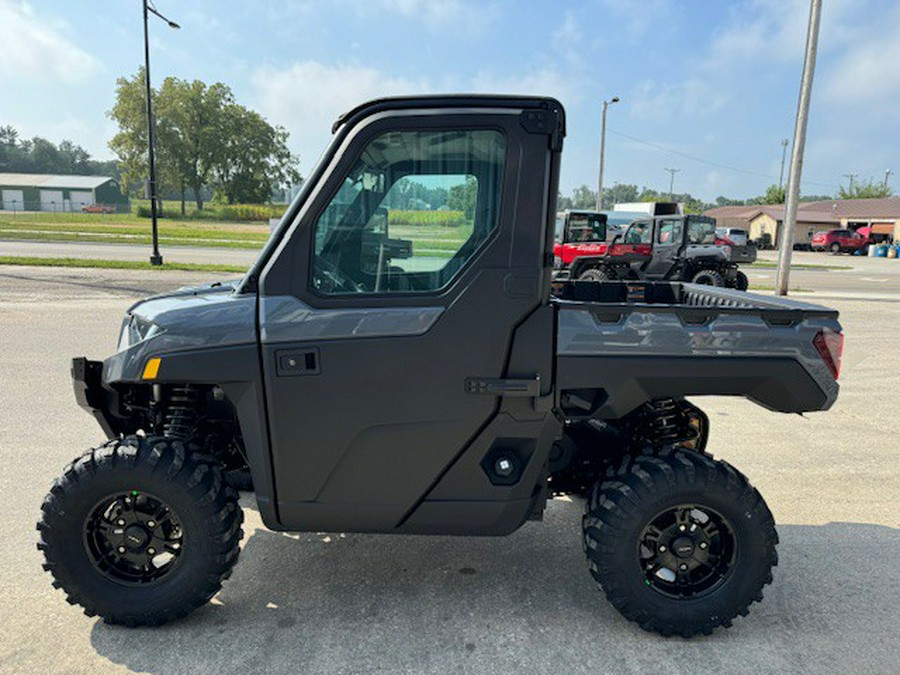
(115, 506)
(741, 282)
(709, 278)
(619, 523)
(594, 274)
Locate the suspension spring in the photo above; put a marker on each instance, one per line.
(180, 420)
(664, 423)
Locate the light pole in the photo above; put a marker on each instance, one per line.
(606, 104)
(672, 173)
(155, 257)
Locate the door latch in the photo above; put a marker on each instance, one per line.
(297, 362)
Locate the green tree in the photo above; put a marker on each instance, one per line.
(253, 159)
(774, 195)
(462, 197)
(864, 190)
(203, 139)
(583, 198)
(620, 193)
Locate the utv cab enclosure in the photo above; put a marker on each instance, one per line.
(427, 382)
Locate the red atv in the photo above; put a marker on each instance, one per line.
(671, 247)
(581, 246)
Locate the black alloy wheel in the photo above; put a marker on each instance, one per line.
(133, 538)
(686, 551)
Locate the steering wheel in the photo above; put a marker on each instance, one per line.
(328, 278)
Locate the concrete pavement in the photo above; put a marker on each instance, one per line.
(327, 603)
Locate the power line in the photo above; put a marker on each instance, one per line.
(709, 162)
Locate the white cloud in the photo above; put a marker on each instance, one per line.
(33, 47)
(866, 73)
(540, 82)
(308, 96)
(693, 97)
(470, 18)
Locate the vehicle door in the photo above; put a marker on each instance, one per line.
(668, 238)
(378, 370)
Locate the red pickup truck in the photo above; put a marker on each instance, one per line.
(839, 241)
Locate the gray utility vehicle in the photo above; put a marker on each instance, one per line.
(667, 248)
(445, 392)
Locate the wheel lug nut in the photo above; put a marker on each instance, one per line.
(703, 545)
(150, 523)
(662, 548)
(120, 521)
(682, 528)
(683, 566)
(121, 549)
(151, 551)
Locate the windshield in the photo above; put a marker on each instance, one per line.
(586, 227)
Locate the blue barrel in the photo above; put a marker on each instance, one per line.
(881, 251)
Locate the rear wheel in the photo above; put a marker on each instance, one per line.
(709, 278)
(140, 531)
(594, 274)
(680, 543)
(741, 282)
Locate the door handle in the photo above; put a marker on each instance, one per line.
(292, 362)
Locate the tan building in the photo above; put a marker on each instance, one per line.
(883, 215)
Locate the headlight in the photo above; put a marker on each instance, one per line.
(136, 329)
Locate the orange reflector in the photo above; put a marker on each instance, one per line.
(152, 368)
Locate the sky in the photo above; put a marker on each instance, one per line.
(707, 87)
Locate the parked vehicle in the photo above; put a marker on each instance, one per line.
(677, 248)
(734, 235)
(432, 395)
(839, 241)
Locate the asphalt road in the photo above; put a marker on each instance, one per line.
(866, 276)
(327, 603)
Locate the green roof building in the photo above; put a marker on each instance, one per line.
(41, 192)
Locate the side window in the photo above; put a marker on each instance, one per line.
(416, 206)
(640, 232)
(701, 232)
(669, 231)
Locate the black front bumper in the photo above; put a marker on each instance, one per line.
(92, 395)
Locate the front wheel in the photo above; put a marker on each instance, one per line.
(709, 278)
(835, 248)
(594, 274)
(680, 543)
(140, 531)
(741, 282)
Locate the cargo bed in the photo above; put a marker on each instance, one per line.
(637, 341)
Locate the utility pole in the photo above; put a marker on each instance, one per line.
(887, 172)
(672, 173)
(784, 143)
(851, 176)
(793, 190)
(155, 257)
(606, 104)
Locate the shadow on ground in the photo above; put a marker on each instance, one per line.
(525, 603)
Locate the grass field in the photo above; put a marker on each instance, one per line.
(428, 240)
(35, 261)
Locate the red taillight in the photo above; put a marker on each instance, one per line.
(830, 345)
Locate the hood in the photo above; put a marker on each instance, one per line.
(208, 315)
